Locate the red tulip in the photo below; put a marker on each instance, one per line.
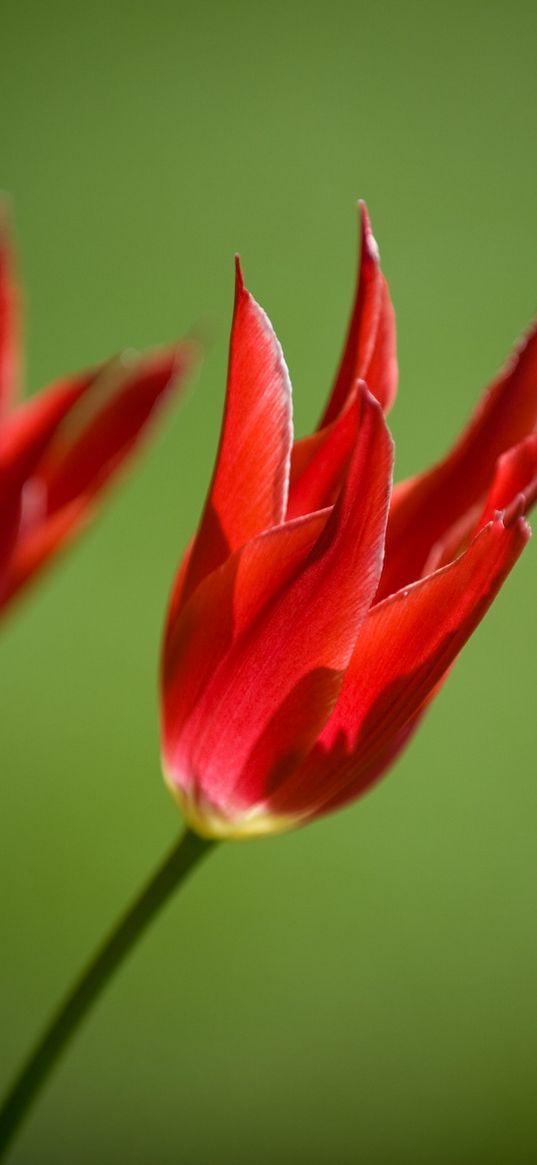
(61, 448)
(315, 615)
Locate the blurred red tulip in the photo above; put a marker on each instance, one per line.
(314, 616)
(59, 449)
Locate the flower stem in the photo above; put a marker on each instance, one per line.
(173, 871)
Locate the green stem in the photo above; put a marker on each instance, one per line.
(175, 868)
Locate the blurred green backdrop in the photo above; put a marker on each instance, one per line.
(363, 990)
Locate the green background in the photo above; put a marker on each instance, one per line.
(363, 990)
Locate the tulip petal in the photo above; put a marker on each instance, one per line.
(382, 372)
(406, 647)
(29, 429)
(516, 474)
(24, 436)
(514, 486)
(108, 421)
(84, 430)
(272, 688)
(248, 493)
(319, 464)
(10, 515)
(386, 759)
(224, 607)
(426, 508)
(9, 300)
(369, 351)
(34, 551)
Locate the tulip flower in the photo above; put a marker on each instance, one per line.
(316, 613)
(61, 448)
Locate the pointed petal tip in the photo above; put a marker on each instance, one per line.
(126, 358)
(362, 398)
(367, 399)
(368, 240)
(201, 335)
(167, 358)
(239, 277)
(527, 337)
(192, 347)
(522, 349)
(514, 516)
(524, 528)
(362, 389)
(183, 353)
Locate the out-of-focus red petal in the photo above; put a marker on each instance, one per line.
(33, 551)
(10, 513)
(319, 464)
(108, 421)
(24, 435)
(248, 493)
(29, 429)
(275, 684)
(9, 319)
(369, 352)
(406, 646)
(425, 508)
(66, 444)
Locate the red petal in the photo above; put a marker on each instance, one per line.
(248, 493)
(369, 352)
(24, 436)
(107, 423)
(385, 760)
(9, 298)
(282, 661)
(425, 509)
(10, 515)
(516, 474)
(34, 550)
(514, 487)
(223, 608)
(406, 646)
(29, 429)
(319, 464)
(72, 439)
(382, 371)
